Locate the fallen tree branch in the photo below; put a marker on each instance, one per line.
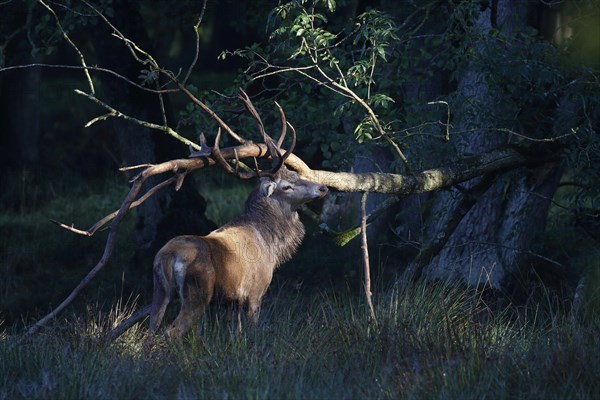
(129, 322)
(112, 215)
(108, 249)
(432, 179)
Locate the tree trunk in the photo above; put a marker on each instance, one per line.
(496, 234)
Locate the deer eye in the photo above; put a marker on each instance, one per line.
(287, 187)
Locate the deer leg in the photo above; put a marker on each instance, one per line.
(161, 298)
(253, 311)
(195, 296)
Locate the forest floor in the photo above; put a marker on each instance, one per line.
(429, 341)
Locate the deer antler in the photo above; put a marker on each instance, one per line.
(274, 148)
(283, 125)
(218, 157)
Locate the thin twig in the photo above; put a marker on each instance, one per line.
(112, 215)
(68, 39)
(113, 112)
(365, 252)
(447, 124)
(132, 46)
(91, 68)
(197, 52)
(210, 112)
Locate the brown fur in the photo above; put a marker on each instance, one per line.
(236, 260)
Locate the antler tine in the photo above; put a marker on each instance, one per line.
(248, 103)
(283, 127)
(216, 153)
(292, 145)
(237, 162)
(218, 156)
(256, 166)
(277, 159)
(276, 155)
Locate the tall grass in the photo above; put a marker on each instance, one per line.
(430, 341)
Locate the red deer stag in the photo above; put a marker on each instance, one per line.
(237, 260)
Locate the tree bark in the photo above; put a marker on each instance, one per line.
(497, 235)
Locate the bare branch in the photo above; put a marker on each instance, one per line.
(132, 46)
(501, 159)
(365, 252)
(210, 112)
(197, 52)
(108, 249)
(447, 124)
(94, 228)
(132, 167)
(115, 113)
(68, 39)
(425, 181)
(91, 68)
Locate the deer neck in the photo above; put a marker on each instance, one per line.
(279, 226)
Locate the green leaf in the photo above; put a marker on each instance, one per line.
(331, 5)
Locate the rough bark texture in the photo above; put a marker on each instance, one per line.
(495, 237)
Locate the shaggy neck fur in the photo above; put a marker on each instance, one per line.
(277, 223)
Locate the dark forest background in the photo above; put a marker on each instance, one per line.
(486, 287)
(446, 80)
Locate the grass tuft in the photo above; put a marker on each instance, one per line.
(432, 340)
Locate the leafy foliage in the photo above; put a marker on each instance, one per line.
(332, 57)
(312, 49)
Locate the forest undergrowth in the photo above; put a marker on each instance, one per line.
(430, 340)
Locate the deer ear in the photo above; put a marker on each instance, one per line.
(267, 187)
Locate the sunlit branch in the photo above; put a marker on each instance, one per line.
(115, 113)
(68, 39)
